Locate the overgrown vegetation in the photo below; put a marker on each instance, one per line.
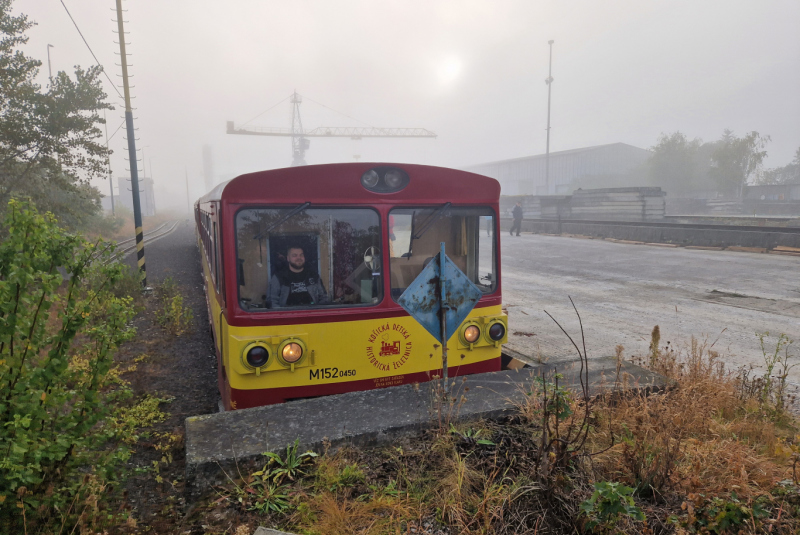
(709, 454)
(65, 425)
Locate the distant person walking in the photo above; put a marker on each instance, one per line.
(516, 213)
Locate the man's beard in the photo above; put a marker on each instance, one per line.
(297, 266)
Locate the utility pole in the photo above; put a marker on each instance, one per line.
(137, 210)
(549, 83)
(49, 69)
(108, 163)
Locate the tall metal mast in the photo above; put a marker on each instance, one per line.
(299, 142)
(549, 83)
(137, 210)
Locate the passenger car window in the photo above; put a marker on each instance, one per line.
(415, 235)
(301, 257)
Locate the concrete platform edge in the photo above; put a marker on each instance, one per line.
(223, 445)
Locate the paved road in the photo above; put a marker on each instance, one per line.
(623, 290)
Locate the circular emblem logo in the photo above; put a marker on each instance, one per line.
(389, 347)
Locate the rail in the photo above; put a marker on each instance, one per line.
(125, 247)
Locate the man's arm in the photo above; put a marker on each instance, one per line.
(322, 296)
(274, 300)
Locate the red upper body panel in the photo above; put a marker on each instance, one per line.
(338, 184)
(341, 183)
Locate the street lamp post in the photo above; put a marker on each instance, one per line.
(49, 69)
(549, 83)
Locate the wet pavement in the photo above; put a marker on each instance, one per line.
(622, 291)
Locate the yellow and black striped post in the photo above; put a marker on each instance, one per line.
(140, 254)
(137, 209)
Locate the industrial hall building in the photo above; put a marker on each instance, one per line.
(526, 176)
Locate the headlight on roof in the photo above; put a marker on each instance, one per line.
(385, 179)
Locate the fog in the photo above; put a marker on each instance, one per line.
(473, 72)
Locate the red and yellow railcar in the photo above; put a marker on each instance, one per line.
(287, 328)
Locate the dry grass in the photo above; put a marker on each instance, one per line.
(697, 436)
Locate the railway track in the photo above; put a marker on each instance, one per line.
(126, 247)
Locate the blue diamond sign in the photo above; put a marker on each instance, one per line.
(424, 298)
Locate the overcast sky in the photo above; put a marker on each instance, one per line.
(471, 71)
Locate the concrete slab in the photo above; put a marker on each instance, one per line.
(747, 249)
(234, 442)
(268, 531)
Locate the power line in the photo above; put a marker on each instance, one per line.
(335, 111)
(265, 111)
(90, 49)
(117, 130)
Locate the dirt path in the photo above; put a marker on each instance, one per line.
(182, 368)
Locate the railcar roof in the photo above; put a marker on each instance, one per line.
(335, 183)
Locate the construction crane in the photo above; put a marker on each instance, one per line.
(298, 134)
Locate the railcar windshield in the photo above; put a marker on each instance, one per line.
(306, 257)
(468, 233)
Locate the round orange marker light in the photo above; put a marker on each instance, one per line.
(292, 352)
(471, 333)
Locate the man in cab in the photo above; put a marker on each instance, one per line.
(296, 285)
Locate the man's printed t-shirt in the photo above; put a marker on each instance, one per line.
(298, 288)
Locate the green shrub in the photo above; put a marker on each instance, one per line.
(720, 515)
(172, 315)
(56, 343)
(608, 504)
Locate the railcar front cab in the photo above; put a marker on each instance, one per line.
(355, 332)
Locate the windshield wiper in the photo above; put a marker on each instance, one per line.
(434, 217)
(410, 241)
(293, 212)
(431, 220)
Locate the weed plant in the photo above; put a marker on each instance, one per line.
(172, 315)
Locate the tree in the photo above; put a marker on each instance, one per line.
(788, 174)
(679, 165)
(48, 139)
(734, 160)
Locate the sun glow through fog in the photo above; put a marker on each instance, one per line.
(448, 70)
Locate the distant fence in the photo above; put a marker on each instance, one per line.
(614, 204)
(676, 233)
(746, 207)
